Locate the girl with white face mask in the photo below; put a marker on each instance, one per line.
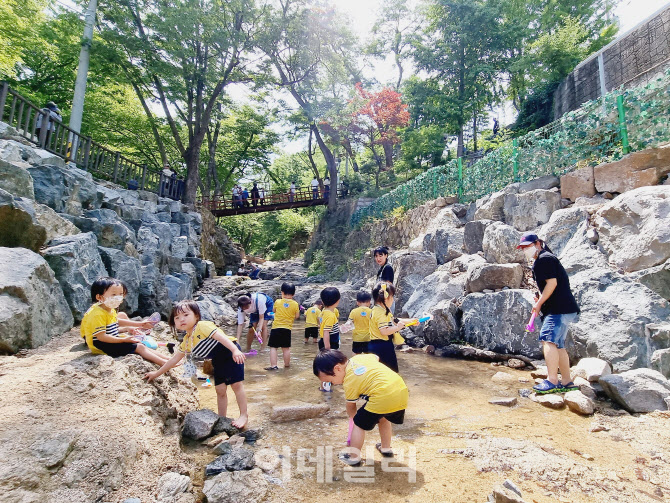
(102, 324)
(558, 309)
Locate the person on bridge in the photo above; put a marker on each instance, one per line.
(315, 188)
(46, 118)
(326, 188)
(291, 193)
(245, 198)
(261, 196)
(236, 196)
(254, 195)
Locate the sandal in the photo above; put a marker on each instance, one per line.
(546, 387)
(272, 368)
(386, 454)
(347, 460)
(571, 386)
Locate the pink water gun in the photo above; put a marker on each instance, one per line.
(531, 324)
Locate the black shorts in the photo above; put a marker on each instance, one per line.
(367, 420)
(312, 332)
(359, 347)
(334, 342)
(116, 349)
(280, 338)
(226, 371)
(385, 350)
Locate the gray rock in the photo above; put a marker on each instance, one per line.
(460, 210)
(580, 403)
(410, 270)
(298, 412)
(199, 424)
(54, 185)
(660, 361)
(19, 226)
(443, 328)
(15, 178)
(638, 390)
(446, 244)
(491, 207)
(127, 269)
(634, 228)
(171, 485)
(76, 263)
(531, 209)
(500, 242)
(249, 486)
(497, 321)
(655, 278)
(473, 235)
(506, 401)
(54, 224)
(436, 287)
(562, 226)
(237, 459)
(178, 288)
(33, 308)
(192, 219)
(132, 500)
(179, 246)
(546, 182)
(552, 401)
(153, 293)
(503, 494)
(153, 243)
(493, 276)
(591, 369)
(113, 232)
(216, 309)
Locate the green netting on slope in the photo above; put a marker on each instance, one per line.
(588, 136)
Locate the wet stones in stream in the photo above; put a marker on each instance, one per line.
(235, 459)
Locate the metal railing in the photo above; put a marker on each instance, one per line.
(39, 127)
(269, 198)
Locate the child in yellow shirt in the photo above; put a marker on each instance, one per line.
(329, 333)
(360, 317)
(204, 339)
(287, 311)
(385, 392)
(312, 322)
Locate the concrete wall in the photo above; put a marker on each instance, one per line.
(633, 59)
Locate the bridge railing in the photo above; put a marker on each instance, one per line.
(37, 126)
(271, 198)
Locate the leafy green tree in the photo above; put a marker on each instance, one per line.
(19, 20)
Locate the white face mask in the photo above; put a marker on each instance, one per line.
(530, 252)
(113, 302)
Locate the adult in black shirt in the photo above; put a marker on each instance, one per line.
(558, 309)
(385, 272)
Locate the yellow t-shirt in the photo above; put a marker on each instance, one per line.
(361, 319)
(379, 319)
(200, 342)
(328, 322)
(365, 377)
(98, 319)
(312, 316)
(285, 311)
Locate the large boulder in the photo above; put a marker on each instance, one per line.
(111, 231)
(578, 183)
(500, 242)
(639, 390)
(216, 309)
(178, 287)
(528, 210)
(33, 308)
(249, 486)
(127, 269)
(660, 361)
(635, 170)
(473, 235)
(655, 278)
(446, 244)
(54, 224)
(19, 226)
(634, 228)
(199, 424)
(153, 242)
(497, 321)
(493, 277)
(562, 225)
(436, 287)
(410, 270)
(443, 329)
(76, 263)
(15, 178)
(54, 185)
(153, 293)
(490, 207)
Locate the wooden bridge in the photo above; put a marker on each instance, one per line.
(302, 197)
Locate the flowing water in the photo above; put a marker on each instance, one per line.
(458, 443)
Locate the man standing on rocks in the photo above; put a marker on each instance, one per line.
(558, 309)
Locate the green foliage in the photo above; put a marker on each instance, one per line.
(19, 20)
(318, 264)
(587, 136)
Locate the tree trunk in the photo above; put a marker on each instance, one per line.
(388, 155)
(347, 148)
(474, 132)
